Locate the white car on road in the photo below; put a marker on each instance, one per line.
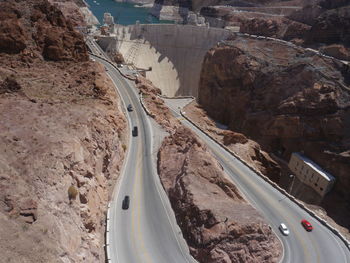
(283, 228)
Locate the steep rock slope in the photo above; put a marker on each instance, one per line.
(61, 134)
(286, 99)
(332, 26)
(217, 223)
(224, 229)
(330, 22)
(315, 24)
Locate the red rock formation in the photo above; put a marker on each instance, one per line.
(9, 84)
(60, 126)
(158, 110)
(329, 21)
(332, 26)
(50, 33)
(284, 98)
(224, 229)
(246, 149)
(337, 51)
(234, 137)
(12, 34)
(276, 27)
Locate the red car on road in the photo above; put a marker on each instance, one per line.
(306, 224)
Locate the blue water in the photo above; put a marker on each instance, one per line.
(123, 13)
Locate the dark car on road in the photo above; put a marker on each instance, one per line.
(130, 108)
(135, 131)
(306, 224)
(126, 202)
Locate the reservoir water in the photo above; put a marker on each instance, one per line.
(123, 13)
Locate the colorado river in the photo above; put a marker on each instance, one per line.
(123, 13)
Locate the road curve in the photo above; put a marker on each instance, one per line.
(144, 233)
(147, 231)
(319, 246)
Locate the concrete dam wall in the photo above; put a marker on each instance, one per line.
(175, 52)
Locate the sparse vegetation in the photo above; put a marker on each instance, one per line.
(124, 147)
(72, 192)
(24, 227)
(45, 230)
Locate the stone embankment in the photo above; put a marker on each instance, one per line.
(62, 132)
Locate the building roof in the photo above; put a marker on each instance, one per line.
(315, 167)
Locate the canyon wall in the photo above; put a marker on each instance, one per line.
(322, 25)
(174, 52)
(61, 136)
(218, 224)
(285, 98)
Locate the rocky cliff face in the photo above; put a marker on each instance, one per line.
(284, 98)
(224, 229)
(329, 21)
(217, 223)
(61, 139)
(43, 32)
(315, 24)
(332, 26)
(248, 150)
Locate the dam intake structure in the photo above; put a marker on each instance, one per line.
(174, 52)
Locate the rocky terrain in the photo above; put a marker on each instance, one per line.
(226, 229)
(157, 109)
(287, 99)
(320, 24)
(247, 149)
(62, 134)
(76, 11)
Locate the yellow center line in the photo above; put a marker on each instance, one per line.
(137, 234)
(145, 252)
(135, 197)
(134, 209)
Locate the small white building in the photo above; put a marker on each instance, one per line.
(311, 173)
(108, 19)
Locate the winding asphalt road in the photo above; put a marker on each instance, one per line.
(147, 231)
(319, 246)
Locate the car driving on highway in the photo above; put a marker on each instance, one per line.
(284, 230)
(130, 108)
(126, 202)
(306, 224)
(135, 131)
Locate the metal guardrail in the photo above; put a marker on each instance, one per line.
(276, 186)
